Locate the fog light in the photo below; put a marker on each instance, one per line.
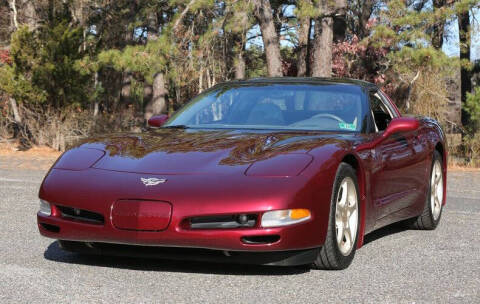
(285, 217)
(45, 208)
(242, 219)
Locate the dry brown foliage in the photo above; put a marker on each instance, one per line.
(427, 96)
(58, 128)
(472, 149)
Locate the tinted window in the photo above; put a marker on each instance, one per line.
(275, 106)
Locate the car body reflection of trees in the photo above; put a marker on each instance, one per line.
(243, 147)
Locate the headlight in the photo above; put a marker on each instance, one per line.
(285, 217)
(45, 208)
(79, 159)
(282, 165)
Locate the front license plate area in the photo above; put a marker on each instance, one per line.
(141, 215)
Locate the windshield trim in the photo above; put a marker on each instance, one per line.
(261, 129)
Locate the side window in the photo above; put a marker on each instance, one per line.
(380, 112)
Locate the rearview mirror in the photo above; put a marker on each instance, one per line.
(401, 124)
(157, 121)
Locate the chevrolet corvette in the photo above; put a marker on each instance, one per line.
(273, 171)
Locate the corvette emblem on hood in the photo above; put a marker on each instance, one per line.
(153, 181)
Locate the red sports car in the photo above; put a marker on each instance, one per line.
(285, 171)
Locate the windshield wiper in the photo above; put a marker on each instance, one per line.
(176, 127)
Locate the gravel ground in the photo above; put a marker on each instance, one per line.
(395, 265)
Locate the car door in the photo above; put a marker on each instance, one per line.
(399, 162)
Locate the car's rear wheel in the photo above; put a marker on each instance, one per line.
(432, 211)
(342, 234)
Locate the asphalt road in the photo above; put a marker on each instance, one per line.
(395, 265)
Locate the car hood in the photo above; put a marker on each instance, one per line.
(188, 151)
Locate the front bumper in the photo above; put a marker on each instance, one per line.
(285, 238)
(97, 190)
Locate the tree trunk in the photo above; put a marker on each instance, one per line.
(239, 60)
(340, 21)
(237, 41)
(17, 118)
(126, 87)
(96, 104)
(363, 17)
(438, 27)
(303, 47)
(200, 80)
(30, 14)
(209, 79)
(16, 113)
(263, 13)
(147, 94)
(158, 102)
(240, 65)
(13, 7)
(13, 103)
(322, 45)
(465, 76)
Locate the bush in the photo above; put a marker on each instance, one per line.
(58, 129)
(428, 96)
(472, 107)
(5, 121)
(472, 149)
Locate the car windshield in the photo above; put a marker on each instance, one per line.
(325, 107)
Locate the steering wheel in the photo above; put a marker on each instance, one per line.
(329, 116)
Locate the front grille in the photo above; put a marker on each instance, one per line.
(223, 221)
(81, 215)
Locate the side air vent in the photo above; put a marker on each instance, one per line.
(81, 215)
(223, 221)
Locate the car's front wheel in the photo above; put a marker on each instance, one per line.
(341, 241)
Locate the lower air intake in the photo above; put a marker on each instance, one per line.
(81, 215)
(261, 239)
(223, 221)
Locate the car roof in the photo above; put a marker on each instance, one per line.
(305, 80)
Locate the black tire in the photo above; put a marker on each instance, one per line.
(330, 257)
(426, 220)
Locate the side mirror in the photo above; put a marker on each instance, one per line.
(401, 124)
(157, 121)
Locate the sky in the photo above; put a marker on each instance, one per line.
(450, 45)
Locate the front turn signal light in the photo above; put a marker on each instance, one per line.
(286, 217)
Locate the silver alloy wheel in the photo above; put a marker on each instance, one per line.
(436, 190)
(346, 216)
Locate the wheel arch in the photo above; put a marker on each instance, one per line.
(441, 149)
